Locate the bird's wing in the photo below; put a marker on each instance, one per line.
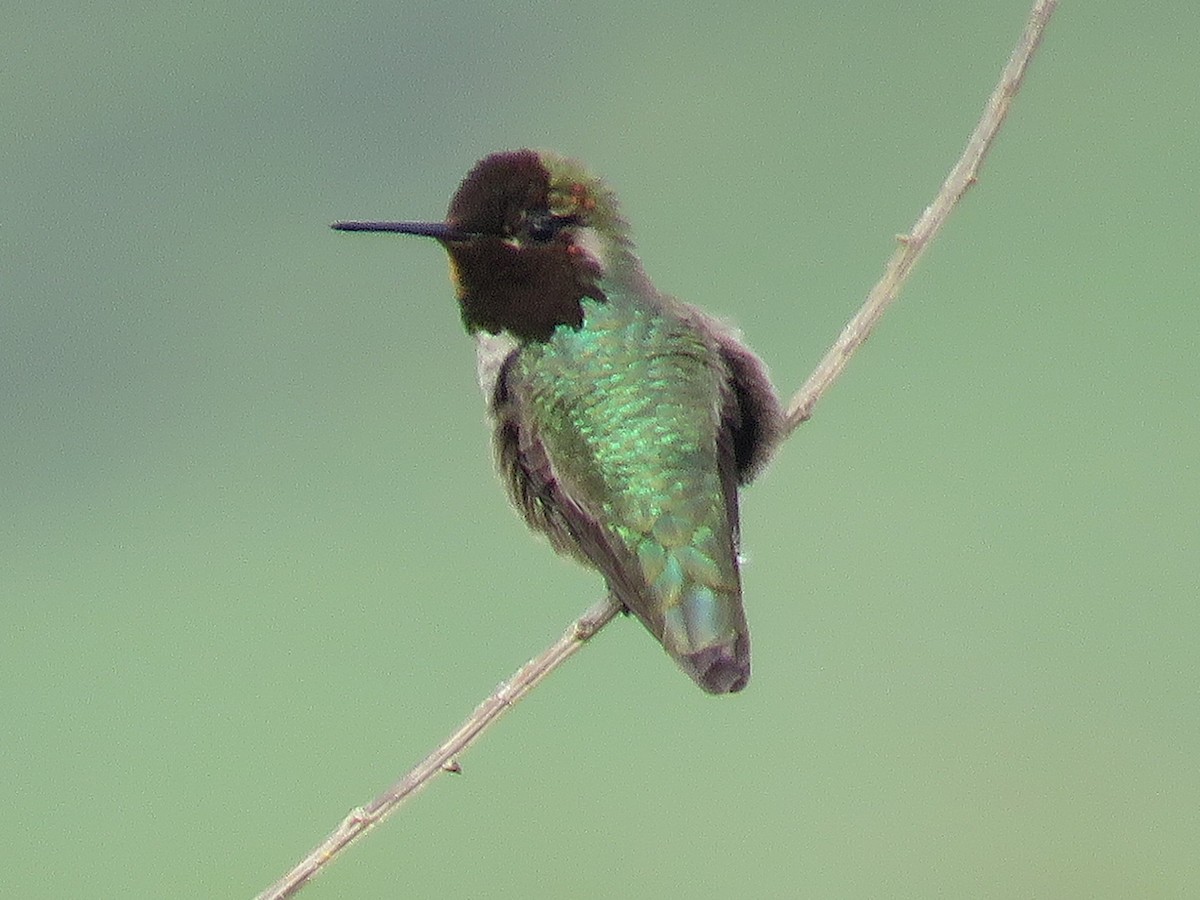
(548, 507)
(752, 417)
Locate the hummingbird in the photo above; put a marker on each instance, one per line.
(623, 419)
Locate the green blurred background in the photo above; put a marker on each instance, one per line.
(254, 562)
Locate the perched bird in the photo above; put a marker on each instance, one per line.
(624, 419)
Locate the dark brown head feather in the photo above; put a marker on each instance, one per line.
(494, 193)
(520, 272)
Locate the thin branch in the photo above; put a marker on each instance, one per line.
(912, 246)
(444, 758)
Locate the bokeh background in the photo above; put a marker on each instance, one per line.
(254, 562)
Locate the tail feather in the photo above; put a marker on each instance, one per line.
(723, 669)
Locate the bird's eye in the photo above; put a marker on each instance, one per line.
(543, 226)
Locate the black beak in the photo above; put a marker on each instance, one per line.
(442, 231)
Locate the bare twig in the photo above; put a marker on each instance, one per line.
(444, 758)
(912, 246)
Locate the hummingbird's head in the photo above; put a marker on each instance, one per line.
(530, 237)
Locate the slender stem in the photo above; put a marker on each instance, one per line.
(912, 246)
(444, 758)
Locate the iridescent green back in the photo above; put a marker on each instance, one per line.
(629, 408)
